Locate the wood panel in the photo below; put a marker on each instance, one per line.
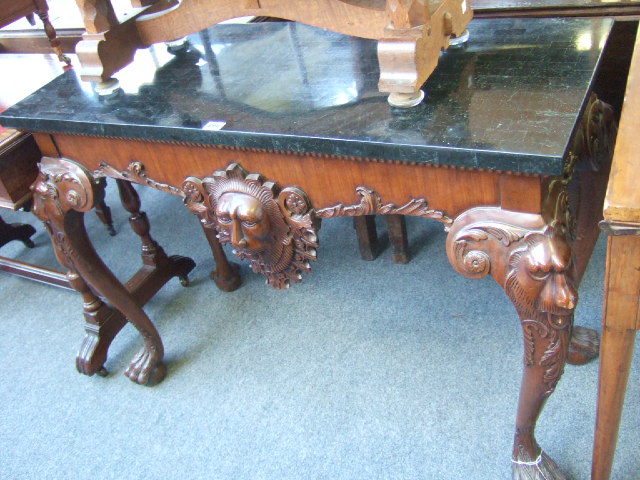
(171, 164)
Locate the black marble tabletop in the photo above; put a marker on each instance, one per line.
(509, 99)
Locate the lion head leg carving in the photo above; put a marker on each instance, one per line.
(532, 261)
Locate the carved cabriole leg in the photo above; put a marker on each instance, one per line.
(532, 260)
(63, 192)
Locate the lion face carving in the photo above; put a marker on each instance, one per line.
(244, 221)
(259, 221)
(540, 277)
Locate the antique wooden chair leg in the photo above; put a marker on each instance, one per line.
(226, 275)
(16, 231)
(397, 229)
(532, 260)
(43, 13)
(366, 232)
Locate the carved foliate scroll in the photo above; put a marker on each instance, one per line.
(63, 186)
(371, 204)
(273, 229)
(596, 135)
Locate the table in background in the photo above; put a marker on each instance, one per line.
(265, 130)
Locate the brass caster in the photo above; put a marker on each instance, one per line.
(456, 41)
(406, 100)
(107, 87)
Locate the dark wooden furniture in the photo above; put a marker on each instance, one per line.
(19, 156)
(509, 153)
(12, 10)
(621, 317)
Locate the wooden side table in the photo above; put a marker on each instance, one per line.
(621, 317)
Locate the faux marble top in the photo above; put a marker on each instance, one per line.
(509, 99)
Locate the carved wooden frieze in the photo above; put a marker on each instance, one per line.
(135, 173)
(371, 204)
(273, 229)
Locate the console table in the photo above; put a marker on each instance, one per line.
(265, 130)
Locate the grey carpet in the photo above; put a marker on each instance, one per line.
(366, 370)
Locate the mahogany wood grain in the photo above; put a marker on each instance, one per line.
(336, 185)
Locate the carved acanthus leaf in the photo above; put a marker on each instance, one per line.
(135, 173)
(371, 204)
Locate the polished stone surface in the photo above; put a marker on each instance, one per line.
(507, 100)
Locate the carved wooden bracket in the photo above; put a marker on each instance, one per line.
(596, 135)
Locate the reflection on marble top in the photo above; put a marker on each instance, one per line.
(508, 100)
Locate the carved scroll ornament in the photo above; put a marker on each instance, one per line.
(371, 204)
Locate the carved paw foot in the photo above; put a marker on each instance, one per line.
(146, 368)
(584, 346)
(541, 468)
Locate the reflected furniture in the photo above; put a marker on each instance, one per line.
(410, 33)
(12, 10)
(509, 153)
(621, 317)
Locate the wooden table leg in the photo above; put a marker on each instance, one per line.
(621, 312)
(397, 229)
(366, 232)
(63, 192)
(16, 231)
(531, 260)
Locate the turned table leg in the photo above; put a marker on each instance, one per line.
(43, 13)
(367, 234)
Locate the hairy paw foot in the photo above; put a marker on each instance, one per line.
(541, 468)
(146, 368)
(584, 346)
